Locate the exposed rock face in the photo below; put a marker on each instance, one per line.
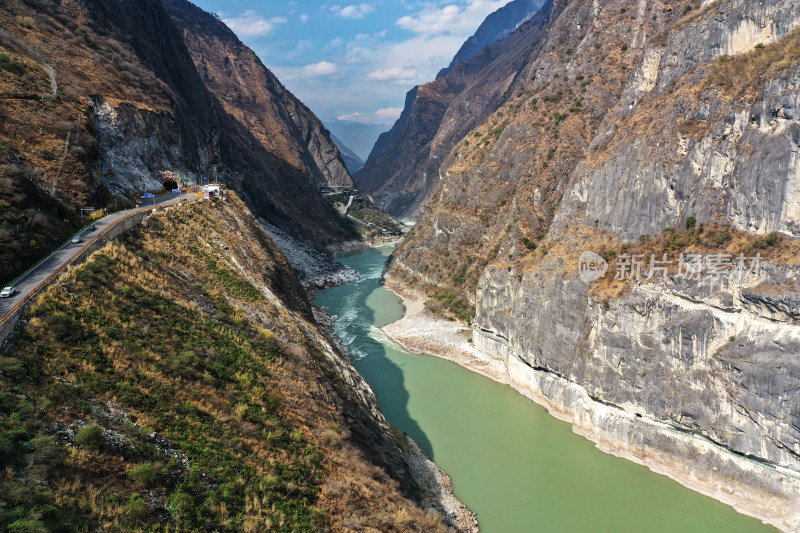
(314, 268)
(715, 364)
(403, 168)
(634, 124)
(133, 142)
(720, 154)
(141, 89)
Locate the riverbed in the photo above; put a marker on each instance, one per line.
(513, 464)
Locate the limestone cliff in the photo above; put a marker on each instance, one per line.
(642, 129)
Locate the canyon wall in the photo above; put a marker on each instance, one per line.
(642, 129)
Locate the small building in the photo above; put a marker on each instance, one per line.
(212, 189)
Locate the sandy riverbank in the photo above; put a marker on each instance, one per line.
(422, 332)
(751, 488)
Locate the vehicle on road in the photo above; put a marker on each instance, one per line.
(8, 292)
(92, 227)
(77, 239)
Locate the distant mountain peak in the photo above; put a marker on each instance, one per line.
(496, 27)
(351, 159)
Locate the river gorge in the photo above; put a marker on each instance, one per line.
(513, 464)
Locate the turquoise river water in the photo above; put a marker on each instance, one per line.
(513, 464)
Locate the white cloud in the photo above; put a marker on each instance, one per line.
(452, 18)
(355, 117)
(353, 11)
(250, 24)
(392, 74)
(307, 75)
(304, 18)
(303, 46)
(389, 113)
(315, 70)
(364, 77)
(386, 115)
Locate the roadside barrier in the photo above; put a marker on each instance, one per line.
(49, 278)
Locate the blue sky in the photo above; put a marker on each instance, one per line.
(353, 61)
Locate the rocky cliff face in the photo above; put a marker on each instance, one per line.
(136, 90)
(276, 149)
(649, 116)
(403, 168)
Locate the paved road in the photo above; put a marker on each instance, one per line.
(29, 283)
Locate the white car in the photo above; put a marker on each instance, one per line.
(8, 292)
(77, 239)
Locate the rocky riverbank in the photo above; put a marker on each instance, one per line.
(692, 460)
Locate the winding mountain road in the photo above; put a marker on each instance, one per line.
(36, 278)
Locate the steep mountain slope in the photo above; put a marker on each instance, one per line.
(386, 139)
(178, 380)
(350, 158)
(496, 27)
(403, 168)
(638, 130)
(125, 102)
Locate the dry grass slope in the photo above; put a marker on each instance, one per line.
(176, 382)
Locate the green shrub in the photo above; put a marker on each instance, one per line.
(529, 244)
(90, 436)
(11, 65)
(458, 277)
(722, 238)
(337, 199)
(147, 475)
(691, 222)
(137, 507)
(27, 526)
(770, 240)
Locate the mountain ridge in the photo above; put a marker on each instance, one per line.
(403, 169)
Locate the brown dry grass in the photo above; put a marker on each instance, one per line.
(149, 310)
(705, 240)
(743, 76)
